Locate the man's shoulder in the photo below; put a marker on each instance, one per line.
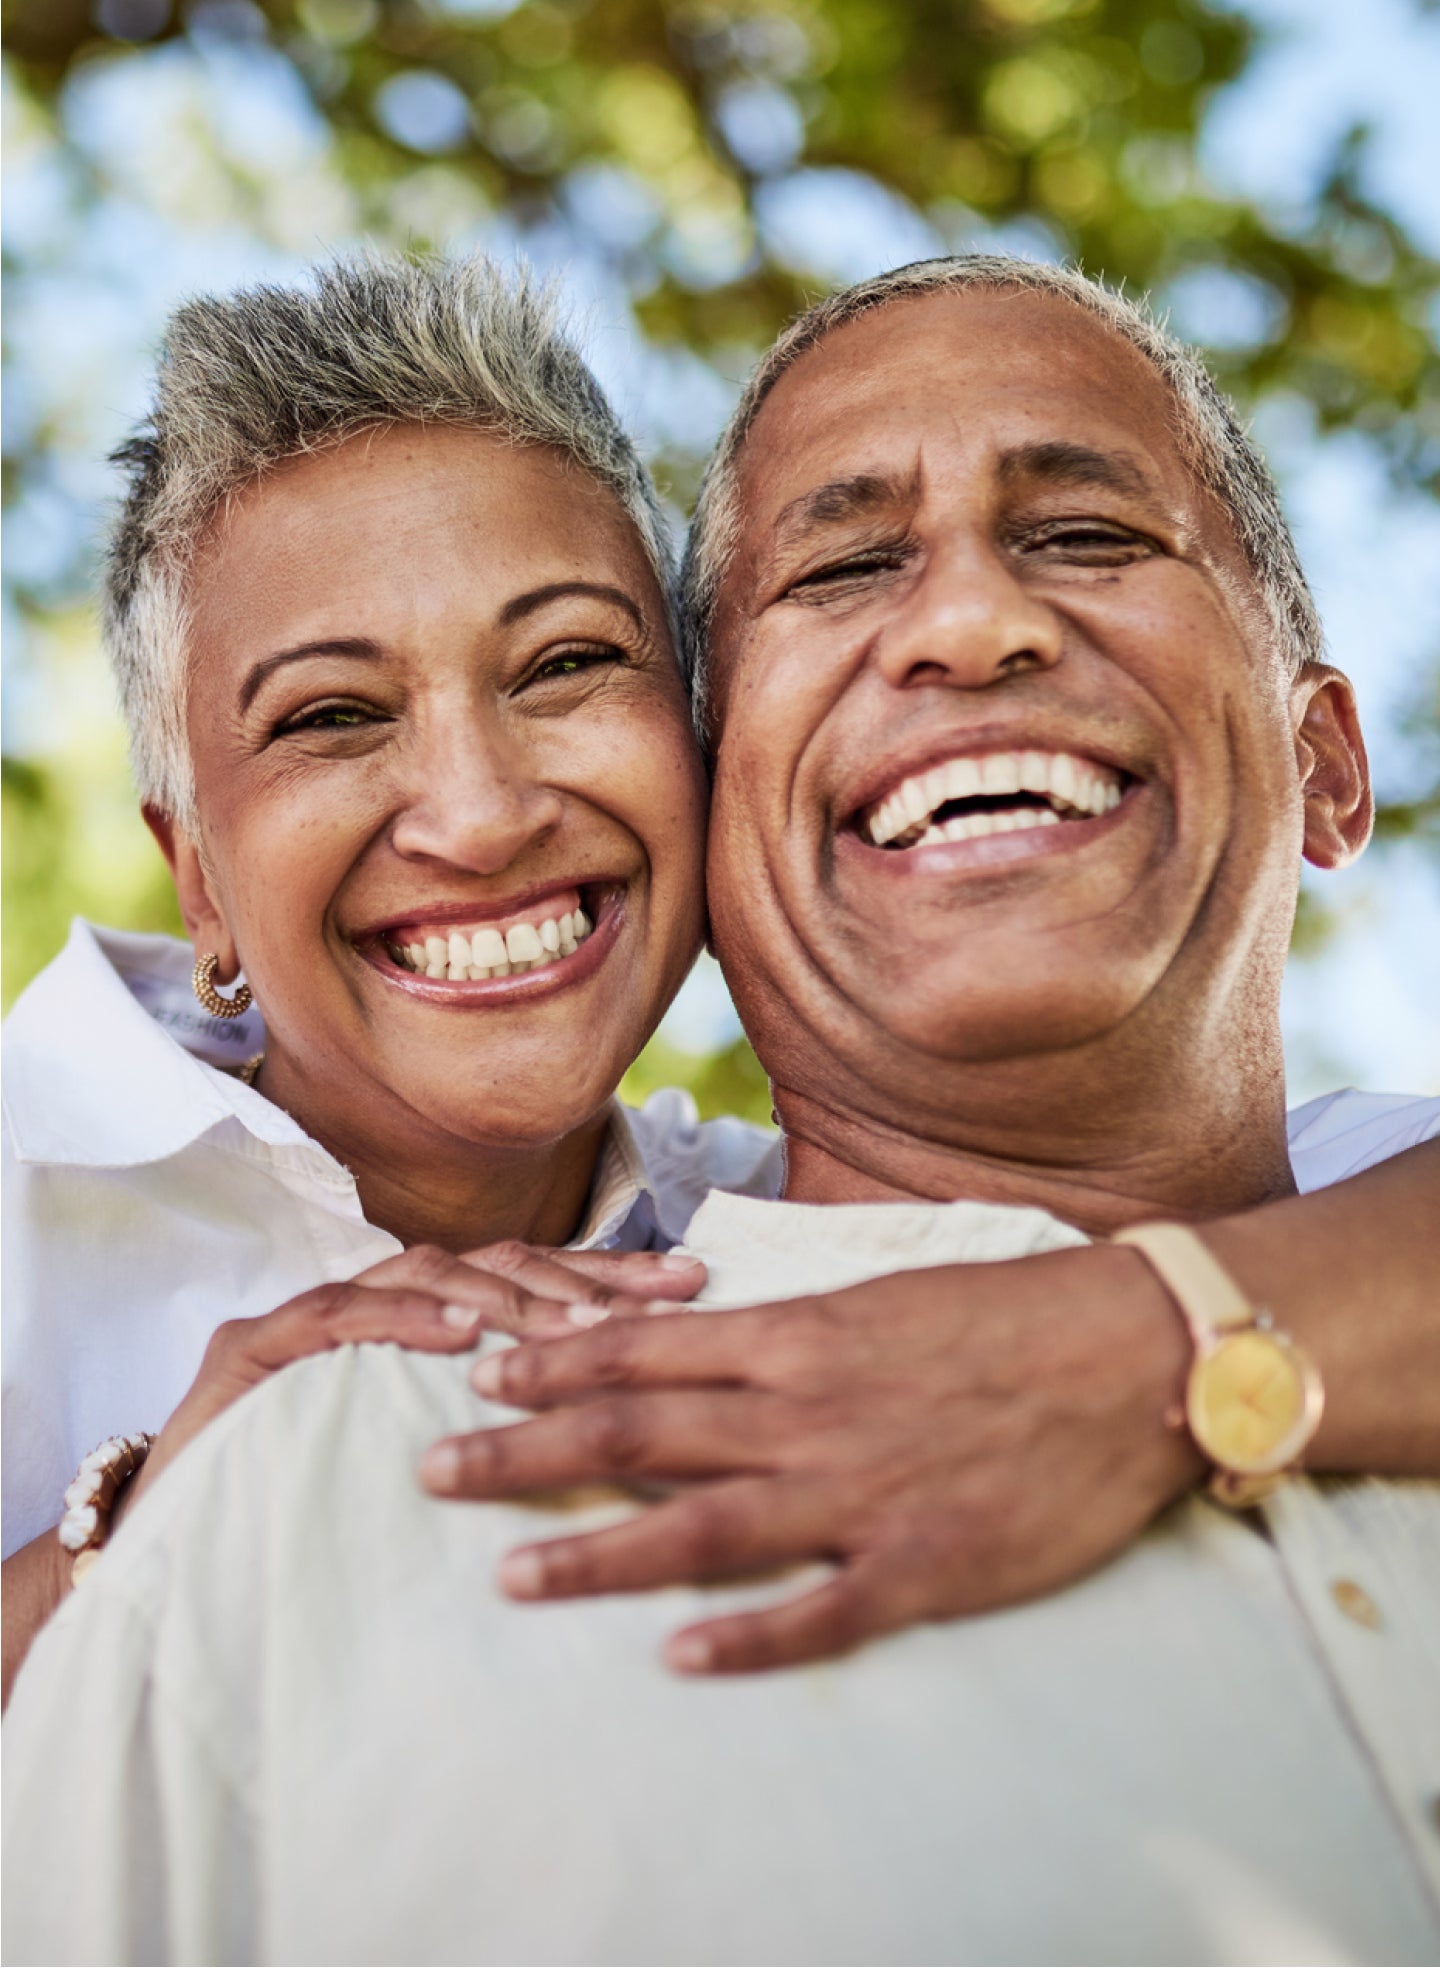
(1342, 1133)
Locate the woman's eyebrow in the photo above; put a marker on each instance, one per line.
(526, 604)
(360, 646)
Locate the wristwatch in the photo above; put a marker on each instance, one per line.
(1253, 1398)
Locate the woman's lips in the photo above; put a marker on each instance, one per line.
(490, 949)
(490, 963)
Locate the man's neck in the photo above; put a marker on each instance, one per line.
(1024, 1133)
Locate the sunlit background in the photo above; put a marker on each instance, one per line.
(695, 170)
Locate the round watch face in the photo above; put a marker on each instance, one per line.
(1253, 1402)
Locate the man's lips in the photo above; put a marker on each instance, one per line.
(978, 792)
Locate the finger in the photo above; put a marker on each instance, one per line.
(638, 1274)
(347, 1314)
(672, 1435)
(868, 1598)
(720, 1531)
(498, 1302)
(590, 1277)
(664, 1351)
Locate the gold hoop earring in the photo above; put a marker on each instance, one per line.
(211, 999)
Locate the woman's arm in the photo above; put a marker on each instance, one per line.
(1353, 1273)
(424, 1298)
(959, 1438)
(34, 1580)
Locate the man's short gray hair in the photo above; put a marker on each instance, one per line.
(1211, 439)
(250, 380)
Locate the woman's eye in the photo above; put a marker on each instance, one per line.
(329, 717)
(572, 662)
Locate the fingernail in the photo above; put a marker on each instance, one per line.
(461, 1318)
(586, 1315)
(522, 1575)
(681, 1264)
(657, 1307)
(488, 1375)
(440, 1466)
(690, 1652)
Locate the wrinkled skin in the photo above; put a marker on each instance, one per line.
(967, 525)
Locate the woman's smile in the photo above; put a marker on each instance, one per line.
(462, 955)
(445, 764)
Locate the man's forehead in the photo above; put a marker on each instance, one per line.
(1010, 377)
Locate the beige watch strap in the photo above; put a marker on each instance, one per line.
(1205, 1292)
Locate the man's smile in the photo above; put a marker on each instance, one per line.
(977, 793)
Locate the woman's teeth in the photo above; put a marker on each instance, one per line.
(468, 955)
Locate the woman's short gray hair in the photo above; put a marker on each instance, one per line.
(249, 380)
(1211, 438)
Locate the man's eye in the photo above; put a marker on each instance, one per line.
(854, 568)
(1089, 540)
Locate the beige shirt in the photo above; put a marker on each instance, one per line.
(148, 1195)
(287, 1718)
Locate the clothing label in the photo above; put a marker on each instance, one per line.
(218, 1041)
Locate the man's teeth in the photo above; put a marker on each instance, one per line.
(970, 826)
(1074, 787)
(462, 955)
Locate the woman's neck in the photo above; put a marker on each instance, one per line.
(426, 1186)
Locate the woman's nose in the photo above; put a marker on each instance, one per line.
(474, 801)
(968, 621)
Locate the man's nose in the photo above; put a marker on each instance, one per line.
(968, 621)
(473, 799)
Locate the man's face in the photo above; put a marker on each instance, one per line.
(1008, 753)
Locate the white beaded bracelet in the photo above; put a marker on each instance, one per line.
(90, 1499)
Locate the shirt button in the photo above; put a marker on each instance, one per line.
(1356, 1604)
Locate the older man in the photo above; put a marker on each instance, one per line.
(1020, 744)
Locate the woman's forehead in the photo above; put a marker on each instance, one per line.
(456, 511)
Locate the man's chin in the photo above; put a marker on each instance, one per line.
(981, 1020)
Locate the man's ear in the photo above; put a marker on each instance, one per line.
(1334, 771)
(204, 919)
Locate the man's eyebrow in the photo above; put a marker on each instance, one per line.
(1061, 463)
(354, 646)
(526, 604)
(838, 500)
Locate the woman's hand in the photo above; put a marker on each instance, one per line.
(951, 1440)
(422, 1297)
(426, 1299)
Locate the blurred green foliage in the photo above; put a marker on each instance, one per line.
(670, 138)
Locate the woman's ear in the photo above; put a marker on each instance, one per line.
(204, 919)
(1334, 771)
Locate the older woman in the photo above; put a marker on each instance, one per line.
(388, 603)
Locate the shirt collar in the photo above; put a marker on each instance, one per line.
(620, 1213)
(110, 1062)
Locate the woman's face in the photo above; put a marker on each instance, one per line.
(434, 713)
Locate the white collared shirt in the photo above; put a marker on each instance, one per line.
(287, 1718)
(149, 1196)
